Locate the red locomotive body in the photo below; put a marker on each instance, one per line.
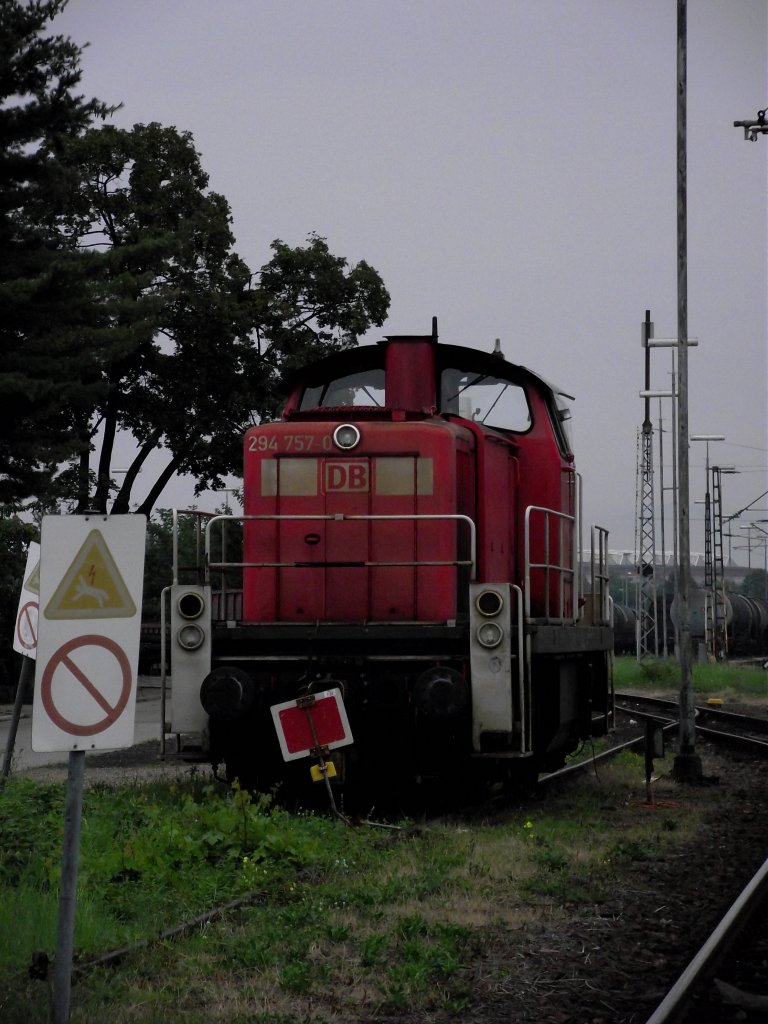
(410, 535)
(334, 569)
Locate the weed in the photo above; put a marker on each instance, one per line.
(374, 951)
(630, 850)
(296, 977)
(345, 919)
(550, 858)
(664, 674)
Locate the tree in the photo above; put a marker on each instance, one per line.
(755, 584)
(46, 368)
(168, 295)
(307, 302)
(125, 307)
(192, 345)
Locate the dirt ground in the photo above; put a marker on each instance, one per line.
(612, 963)
(142, 763)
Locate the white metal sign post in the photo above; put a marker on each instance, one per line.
(91, 575)
(25, 642)
(88, 645)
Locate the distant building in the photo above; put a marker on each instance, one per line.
(623, 561)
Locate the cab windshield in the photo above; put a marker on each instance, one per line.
(486, 399)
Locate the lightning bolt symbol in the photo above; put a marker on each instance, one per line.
(92, 574)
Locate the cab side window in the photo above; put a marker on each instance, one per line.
(355, 389)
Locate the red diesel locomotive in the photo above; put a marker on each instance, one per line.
(411, 537)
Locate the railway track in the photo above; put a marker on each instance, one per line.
(727, 979)
(745, 732)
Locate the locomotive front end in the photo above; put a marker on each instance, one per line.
(358, 554)
(410, 539)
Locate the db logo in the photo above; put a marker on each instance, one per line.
(346, 476)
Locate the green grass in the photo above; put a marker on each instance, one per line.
(716, 679)
(355, 920)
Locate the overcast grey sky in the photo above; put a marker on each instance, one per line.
(509, 167)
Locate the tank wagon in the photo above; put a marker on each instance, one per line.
(746, 624)
(624, 629)
(411, 536)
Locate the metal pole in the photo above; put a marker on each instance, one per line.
(65, 937)
(649, 636)
(163, 669)
(687, 765)
(709, 618)
(27, 673)
(664, 639)
(675, 500)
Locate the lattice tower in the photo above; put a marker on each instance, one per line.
(648, 643)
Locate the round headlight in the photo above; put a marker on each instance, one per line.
(489, 602)
(190, 637)
(191, 605)
(489, 634)
(346, 436)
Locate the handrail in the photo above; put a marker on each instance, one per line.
(175, 534)
(523, 677)
(340, 517)
(577, 543)
(599, 578)
(563, 571)
(163, 662)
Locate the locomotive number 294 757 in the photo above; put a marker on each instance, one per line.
(289, 443)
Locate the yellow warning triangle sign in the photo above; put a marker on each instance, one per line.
(33, 581)
(92, 587)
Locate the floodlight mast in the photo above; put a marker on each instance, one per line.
(754, 126)
(687, 766)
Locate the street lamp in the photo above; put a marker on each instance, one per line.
(753, 126)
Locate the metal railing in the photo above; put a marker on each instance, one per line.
(558, 565)
(599, 579)
(470, 563)
(524, 700)
(197, 517)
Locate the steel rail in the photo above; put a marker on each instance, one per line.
(605, 755)
(733, 922)
(736, 739)
(703, 710)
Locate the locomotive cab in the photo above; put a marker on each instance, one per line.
(410, 535)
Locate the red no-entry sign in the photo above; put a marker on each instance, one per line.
(25, 633)
(70, 668)
(26, 627)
